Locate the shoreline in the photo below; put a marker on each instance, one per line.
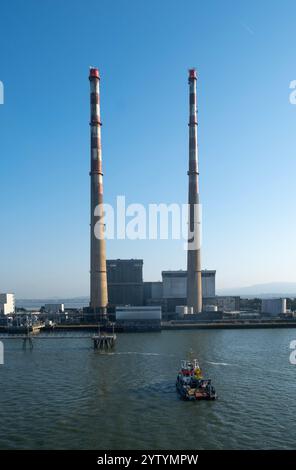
(174, 325)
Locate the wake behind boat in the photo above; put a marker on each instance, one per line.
(191, 385)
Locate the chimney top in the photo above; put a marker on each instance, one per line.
(94, 72)
(192, 74)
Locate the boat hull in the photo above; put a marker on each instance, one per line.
(195, 396)
(191, 385)
(195, 390)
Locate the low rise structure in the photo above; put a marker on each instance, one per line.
(54, 308)
(274, 307)
(138, 318)
(224, 303)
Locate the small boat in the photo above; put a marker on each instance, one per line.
(191, 385)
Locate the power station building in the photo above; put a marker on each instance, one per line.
(125, 282)
(127, 288)
(119, 282)
(174, 284)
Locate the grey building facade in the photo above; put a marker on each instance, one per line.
(125, 282)
(127, 288)
(174, 285)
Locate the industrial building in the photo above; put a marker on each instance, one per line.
(119, 283)
(54, 308)
(153, 293)
(175, 283)
(224, 303)
(7, 304)
(126, 286)
(274, 307)
(125, 277)
(125, 282)
(138, 318)
(175, 287)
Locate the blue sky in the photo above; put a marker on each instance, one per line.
(244, 53)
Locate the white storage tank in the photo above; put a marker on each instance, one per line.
(274, 307)
(210, 308)
(181, 310)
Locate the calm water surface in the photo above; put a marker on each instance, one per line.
(63, 395)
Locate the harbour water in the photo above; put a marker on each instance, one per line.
(65, 395)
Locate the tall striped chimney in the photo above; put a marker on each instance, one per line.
(194, 286)
(98, 272)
